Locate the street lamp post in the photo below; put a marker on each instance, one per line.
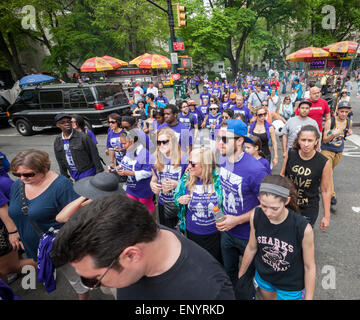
(170, 14)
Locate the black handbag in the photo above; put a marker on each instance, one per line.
(5, 245)
(170, 210)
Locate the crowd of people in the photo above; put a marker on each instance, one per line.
(207, 169)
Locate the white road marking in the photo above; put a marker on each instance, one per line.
(354, 138)
(356, 209)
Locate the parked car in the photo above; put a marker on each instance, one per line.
(4, 104)
(35, 107)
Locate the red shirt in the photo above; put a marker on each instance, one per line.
(277, 84)
(318, 109)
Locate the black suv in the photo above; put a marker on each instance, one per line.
(35, 107)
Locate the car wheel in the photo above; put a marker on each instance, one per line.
(24, 127)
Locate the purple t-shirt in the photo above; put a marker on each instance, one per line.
(141, 162)
(170, 172)
(206, 95)
(266, 164)
(5, 186)
(244, 110)
(204, 110)
(92, 136)
(73, 171)
(188, 120)
(113, 140)
(216, 92)
(241, 182)
(213, 120)
(199, 219)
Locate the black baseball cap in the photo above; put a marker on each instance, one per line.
(306, 102)
(61, 116)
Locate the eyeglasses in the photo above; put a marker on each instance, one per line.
(25, 175)
(93, 283)
(264, 105)
(112, 121)
(164, 142)
(262, 114)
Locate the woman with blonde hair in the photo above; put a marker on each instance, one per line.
(169, 167)
(197, 194)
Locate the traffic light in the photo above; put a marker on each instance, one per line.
(181, 15)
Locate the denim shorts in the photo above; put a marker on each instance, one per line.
(280, 294)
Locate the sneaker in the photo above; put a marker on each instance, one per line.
(333, 204)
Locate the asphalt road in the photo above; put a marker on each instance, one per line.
(336, 249)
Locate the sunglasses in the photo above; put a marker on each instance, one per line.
(164, 142)
(226, 118)
(226, 139)
(112, 121)
(93, 283)
(192, 164)
(262, 114)
(264, 105)
(213, 108)
(25, 175)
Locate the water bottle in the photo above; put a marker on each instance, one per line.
(218, 214)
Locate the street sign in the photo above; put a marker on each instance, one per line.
(174, 58)
(179, 46)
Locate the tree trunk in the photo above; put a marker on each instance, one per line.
(11, 58)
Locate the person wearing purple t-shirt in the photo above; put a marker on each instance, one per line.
(254, 149)
(75, 152)
(113, 144)
(200, 191)
(161, 98)
(187, 118)
(169, 167)
(213, 121)
(241, 176)
(241, 109)
(216, 91)
(184, 135)
(137, 166)
(205, 94)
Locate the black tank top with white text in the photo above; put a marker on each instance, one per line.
(279, 259)
(306, 176)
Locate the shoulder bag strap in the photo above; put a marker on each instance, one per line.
(25, 208)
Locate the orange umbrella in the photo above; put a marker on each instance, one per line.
(138, 59)
(307, 54)
(348, 47)
(96, 64)
(116, 63)
(152, 61)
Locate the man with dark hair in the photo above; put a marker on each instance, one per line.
(114, 242)
(240, 176)
(183, 133)
(75, 152)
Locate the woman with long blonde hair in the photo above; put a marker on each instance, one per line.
(198, 192)
(169, 166)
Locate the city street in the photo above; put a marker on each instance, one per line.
(336, 249)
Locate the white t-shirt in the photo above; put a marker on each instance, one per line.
(153, 90)
(138, 92)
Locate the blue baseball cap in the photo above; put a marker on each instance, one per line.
(238, 127)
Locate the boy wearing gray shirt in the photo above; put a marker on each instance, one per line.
(294, 124)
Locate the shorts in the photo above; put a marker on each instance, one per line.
(148, 202)
(280, 294)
